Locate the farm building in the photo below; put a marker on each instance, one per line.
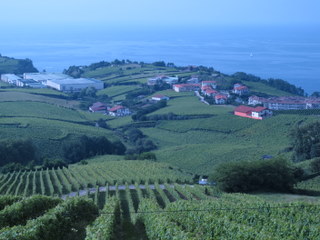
(119, 111)
(193, 79)
(10, 78)
(250, 112)
(159, 97)
(186, 87)
(74, 84)
(98, 107)
(44, 77)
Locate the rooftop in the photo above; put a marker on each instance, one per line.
(66, 81)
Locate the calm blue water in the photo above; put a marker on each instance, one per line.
(292, 54)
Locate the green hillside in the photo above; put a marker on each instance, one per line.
(16, 66)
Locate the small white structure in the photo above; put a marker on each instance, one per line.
(10, 78)
(186, 87)
(119, 111)
(159, 97)
(74, 84)
(44, 77)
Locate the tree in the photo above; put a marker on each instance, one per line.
(272, 175)
(306, 141)
(315, 165)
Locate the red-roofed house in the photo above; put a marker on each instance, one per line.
(119, 111)
(186, 87)
(159, 97)
(213, 84)
(98, 107)
(220, 99)
(250, 112)
(240, 89)
(210, 92)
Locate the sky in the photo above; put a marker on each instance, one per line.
(160, 12)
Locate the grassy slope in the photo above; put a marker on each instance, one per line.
(195, 144)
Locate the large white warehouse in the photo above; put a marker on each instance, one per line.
(44, 77)
(74, 84)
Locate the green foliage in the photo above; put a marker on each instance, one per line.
(8, 200)
(16, 66)
(140, 115)
(271, 175)
(315, 165)
(22, 151)
(236, 216)
(18, 213)
(66, 221)
(306, 141)
(276, 83)
(157, 225)
(102, 228)
(91, 146)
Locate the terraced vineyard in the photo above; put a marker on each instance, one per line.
(78, 177)
(167, 211)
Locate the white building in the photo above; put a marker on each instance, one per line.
(159, 97)
(74, 84)
(44, 77)
(29, 83)
(10, 78)
(119, 111)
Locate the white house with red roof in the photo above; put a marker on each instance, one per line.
(119, 111)
(187, 87)
(254, 113)
(159, 97)
(240, 89)
(220, 99)
(98, 107)
(212, 84)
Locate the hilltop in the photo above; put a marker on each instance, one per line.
(16, 66)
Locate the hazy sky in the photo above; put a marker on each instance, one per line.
(160, 12)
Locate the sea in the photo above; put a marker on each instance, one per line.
(291, 53)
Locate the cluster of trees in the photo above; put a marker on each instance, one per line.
(140, 142)
(16, 66)
(88, 147)
(306, 142)
(276, 83)
(140, 115)
(275, 174)
(20, 151)
(172, 116)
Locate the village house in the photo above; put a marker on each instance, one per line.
(159, 97)
(186, 87)
(212, 84)
(210, 92)
(119, 111)
(252, 112)
(240, 89)
(220, 99)
(98, 107)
